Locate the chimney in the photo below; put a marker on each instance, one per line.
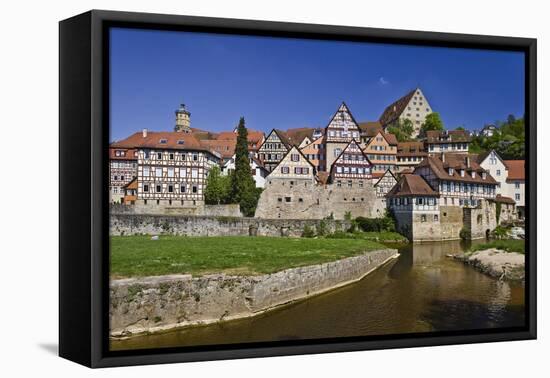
(394, 108)
(467, 162)
(443, 157)
(144, 132)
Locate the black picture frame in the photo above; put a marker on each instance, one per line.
(83, 213)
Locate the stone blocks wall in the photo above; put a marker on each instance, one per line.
(137, 224)
(480, 220)
(200, 209)
(282, 200)
(159, 303)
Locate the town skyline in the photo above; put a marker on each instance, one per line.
(147, 86)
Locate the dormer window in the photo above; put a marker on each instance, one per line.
(483, 175)
(163, 141)
(462, 173)
(451, 171)
(180, 142)
(473, 174)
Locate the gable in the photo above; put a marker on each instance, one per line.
(294, 165)
(342, 127)
(352, 161)
(387, 178)
(417, 100)
(272, 142)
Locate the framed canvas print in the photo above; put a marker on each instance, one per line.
(234, 188)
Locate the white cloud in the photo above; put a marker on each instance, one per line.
(383, 81)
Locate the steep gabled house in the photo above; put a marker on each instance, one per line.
(385, 184)
(274, 147)
(495, 165)
(352, 167)
(382, 153)
(413, 106)
(294, 167)
(339, 132)
(122, 169)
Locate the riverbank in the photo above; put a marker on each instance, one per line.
(156, 304)
(496, 263)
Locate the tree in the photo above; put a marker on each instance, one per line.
(217, 187)
(243, 187)
(402, 130)
(461, 128)
(433, 122)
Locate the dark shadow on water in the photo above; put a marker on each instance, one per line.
(51, 348)
(464, 314)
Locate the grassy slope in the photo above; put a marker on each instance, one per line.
(508, 245)
(134, 256)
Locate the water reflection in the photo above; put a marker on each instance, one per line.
(422, 290)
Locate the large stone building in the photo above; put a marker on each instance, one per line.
(456, 141)
(340, 131)
(413, 106)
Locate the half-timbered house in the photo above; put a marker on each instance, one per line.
(295, 168)
(339, 132)
(315, 152)
(382, 152)
(385, 184)
(351, 168)
(122, 170)
(272, 150)
(458, 178)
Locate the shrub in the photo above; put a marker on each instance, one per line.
(322, 228)
(500, 232)
(465, 234)
(308, 232)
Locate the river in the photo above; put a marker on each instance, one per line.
(422, 290)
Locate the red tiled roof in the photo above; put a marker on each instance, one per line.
(411, 149)
(370, 128)
(175, 140)
(129, 154)
(411, 185)
(394, 110)
(436, 136)
(226, 148)
(516, 169)
(390, 138)
(503, 199)
(457, 162)
(297, 135)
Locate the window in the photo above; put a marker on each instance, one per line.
(146, 188)
(122, 178)
(287, 199)
(350, 184)
(146, 154)
(361, 183)
(298, 170)
(159, 155)
(182, 188)
(170, 172)
(436, 218)
(171, 156)
(498, 172)
(194, 173)
(516, 185)
(423, 218)
(158, 172)
(279, 199)
(295, 157)
(420, 201)
(337, 152)
(183, 172)
(194, 189)
(517, 197)
(159, 189)
(170, 188)
(339, 183)
(285, 170)
(163, 141)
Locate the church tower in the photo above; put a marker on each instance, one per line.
(183, 120)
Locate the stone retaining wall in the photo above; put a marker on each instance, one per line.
(136, 224)
(154, 304)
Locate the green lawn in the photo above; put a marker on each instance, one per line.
(137, 256)
(508, 245)
(384, 236)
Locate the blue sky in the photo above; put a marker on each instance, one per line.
(286, 83)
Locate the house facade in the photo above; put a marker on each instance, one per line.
(414, 106)
(272, 150)
(340, 131)
(409, 155)
(515, 184)
(458, 178)
(122, 170)
(381, 151)
(352, 167)
(454, 141)
(257, 170)
(315, 153)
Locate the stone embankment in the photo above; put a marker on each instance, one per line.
(153, 304)
(496, 263)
